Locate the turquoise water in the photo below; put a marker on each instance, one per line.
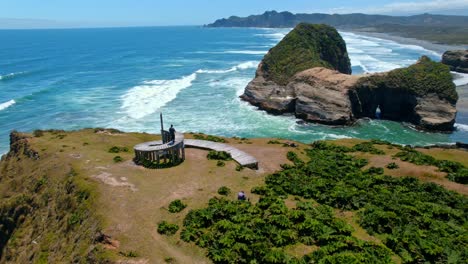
(123, 78)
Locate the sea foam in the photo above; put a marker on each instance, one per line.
(5, 105)
(241, 66)
(460, 78)
(461, 127)
(10, 75)
(149, 97)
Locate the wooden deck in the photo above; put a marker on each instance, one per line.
(241, 157)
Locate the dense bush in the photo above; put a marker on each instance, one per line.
(305, 47)
(419, 222)
(242, 232)
(176, 206)
(218, 155)
(392, 166)
(223, 190)
(165, 228)
(423, 78)
(422, 222)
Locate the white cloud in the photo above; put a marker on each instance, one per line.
(406, 7)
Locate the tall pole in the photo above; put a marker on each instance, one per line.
(163, 137)
(162, 124)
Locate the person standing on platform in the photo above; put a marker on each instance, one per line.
(172, 133)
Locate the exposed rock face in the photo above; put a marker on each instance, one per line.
(322, 96)
(422, 94)
(457, 60)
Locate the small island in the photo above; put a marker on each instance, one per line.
(308, 74)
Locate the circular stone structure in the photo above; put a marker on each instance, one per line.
(161, 153)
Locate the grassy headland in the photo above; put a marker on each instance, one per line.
(329, 202)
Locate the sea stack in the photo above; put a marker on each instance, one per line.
(308, 74)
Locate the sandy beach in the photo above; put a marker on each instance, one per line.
(440, 48)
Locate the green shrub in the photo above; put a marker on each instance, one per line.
(367, 147)
(116, 149)
(176, 206)
(118, 159)
(129, 254)
(223, 190)
(274, 142)
(392, 166)
(220, 163)
(165, 228)
(38, 133)
(209, 138)
(239, 168)
(219, 155)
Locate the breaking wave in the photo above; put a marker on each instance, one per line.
(5, 105)
(241, 66)
(150, 96)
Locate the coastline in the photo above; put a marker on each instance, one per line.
(439, 48)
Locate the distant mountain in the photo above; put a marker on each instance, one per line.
(436, 28)
(275, 19)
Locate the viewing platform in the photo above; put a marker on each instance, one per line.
(171, 151)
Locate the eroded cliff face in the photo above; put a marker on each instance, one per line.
(422, 94)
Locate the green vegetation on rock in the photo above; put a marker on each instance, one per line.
(306, 46)
(422, 78)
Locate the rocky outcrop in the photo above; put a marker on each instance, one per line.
(422, 94)
(322, 96)
(305, 47)
(457, 60)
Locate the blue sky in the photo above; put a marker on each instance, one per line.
(90, 13)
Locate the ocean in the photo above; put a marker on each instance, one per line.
(124, 77)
